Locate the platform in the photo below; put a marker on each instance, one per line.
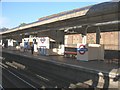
(100, 68)
(94, 65)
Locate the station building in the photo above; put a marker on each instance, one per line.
(70, 28)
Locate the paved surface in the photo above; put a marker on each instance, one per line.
(95, 65)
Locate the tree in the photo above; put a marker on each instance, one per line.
(22, 24)
(3, 29)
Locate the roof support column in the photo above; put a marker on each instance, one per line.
(84, 35)
(98, 36)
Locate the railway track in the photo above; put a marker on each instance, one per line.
(15, 78)
(11, 80)
(30, 79)
(34, 75)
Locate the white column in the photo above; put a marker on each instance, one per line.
(0, 42)
(84, 39)
(84, 36)
(35, 48)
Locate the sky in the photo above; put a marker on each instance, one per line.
(15, 13)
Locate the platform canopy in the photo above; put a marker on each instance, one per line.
(103, 15)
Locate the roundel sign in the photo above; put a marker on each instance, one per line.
(82, 49)
(42, 40)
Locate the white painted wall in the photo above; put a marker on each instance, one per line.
(1, 42)
(10, 42)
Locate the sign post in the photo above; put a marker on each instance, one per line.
(82, 52)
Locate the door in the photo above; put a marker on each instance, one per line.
(43, 50)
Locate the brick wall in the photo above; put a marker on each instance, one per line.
(91, 38)
(72, 40)
(109, 39)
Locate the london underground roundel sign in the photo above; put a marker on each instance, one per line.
(82, 49)
(42, 40)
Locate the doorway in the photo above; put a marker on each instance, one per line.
(43, 50)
